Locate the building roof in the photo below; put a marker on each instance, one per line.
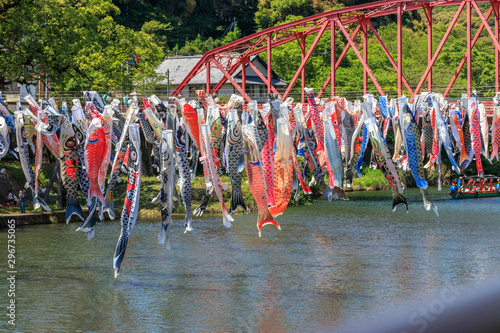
(180, 66)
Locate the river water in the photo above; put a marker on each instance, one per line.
(331, 264)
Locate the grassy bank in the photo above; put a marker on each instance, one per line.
(149, 190)
(15, 181)
(151, 187)
(372, 179)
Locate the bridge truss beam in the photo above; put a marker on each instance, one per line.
(236, 55)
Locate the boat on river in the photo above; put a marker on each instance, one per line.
(477, 188)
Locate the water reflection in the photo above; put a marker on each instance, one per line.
(331, 263)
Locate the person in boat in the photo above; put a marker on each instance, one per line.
(484, 185)
(478, 187)
(489, 187)
(454, 187)
(498, 185)
(461, 182)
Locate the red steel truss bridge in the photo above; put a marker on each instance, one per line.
(236, 55)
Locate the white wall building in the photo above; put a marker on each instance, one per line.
(180, 66)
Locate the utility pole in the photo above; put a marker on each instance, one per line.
(168, 82)
(47, 86)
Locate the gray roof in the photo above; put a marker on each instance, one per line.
(180, 66)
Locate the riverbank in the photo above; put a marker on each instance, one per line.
(372, 180)
(32, 218)
(331, 263)
(149, 190)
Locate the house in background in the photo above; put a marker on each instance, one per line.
(15, 92)
(179, 67)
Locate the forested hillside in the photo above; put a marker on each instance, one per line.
(349, 77)
(195, 27)
(188, 20)
(108, 44)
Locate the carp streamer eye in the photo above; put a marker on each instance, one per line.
(237, 132)
(133, 155)
(216, 128)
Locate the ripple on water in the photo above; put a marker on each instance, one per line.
(332, 263)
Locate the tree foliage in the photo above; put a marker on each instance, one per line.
(76, 44)
(349, 76)
(201, 46)
(88, 43)
(189, 19)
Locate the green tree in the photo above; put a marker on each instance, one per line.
(273, 11)
(201, 46)
(349, 76)
(77, 44)
(188, 19)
